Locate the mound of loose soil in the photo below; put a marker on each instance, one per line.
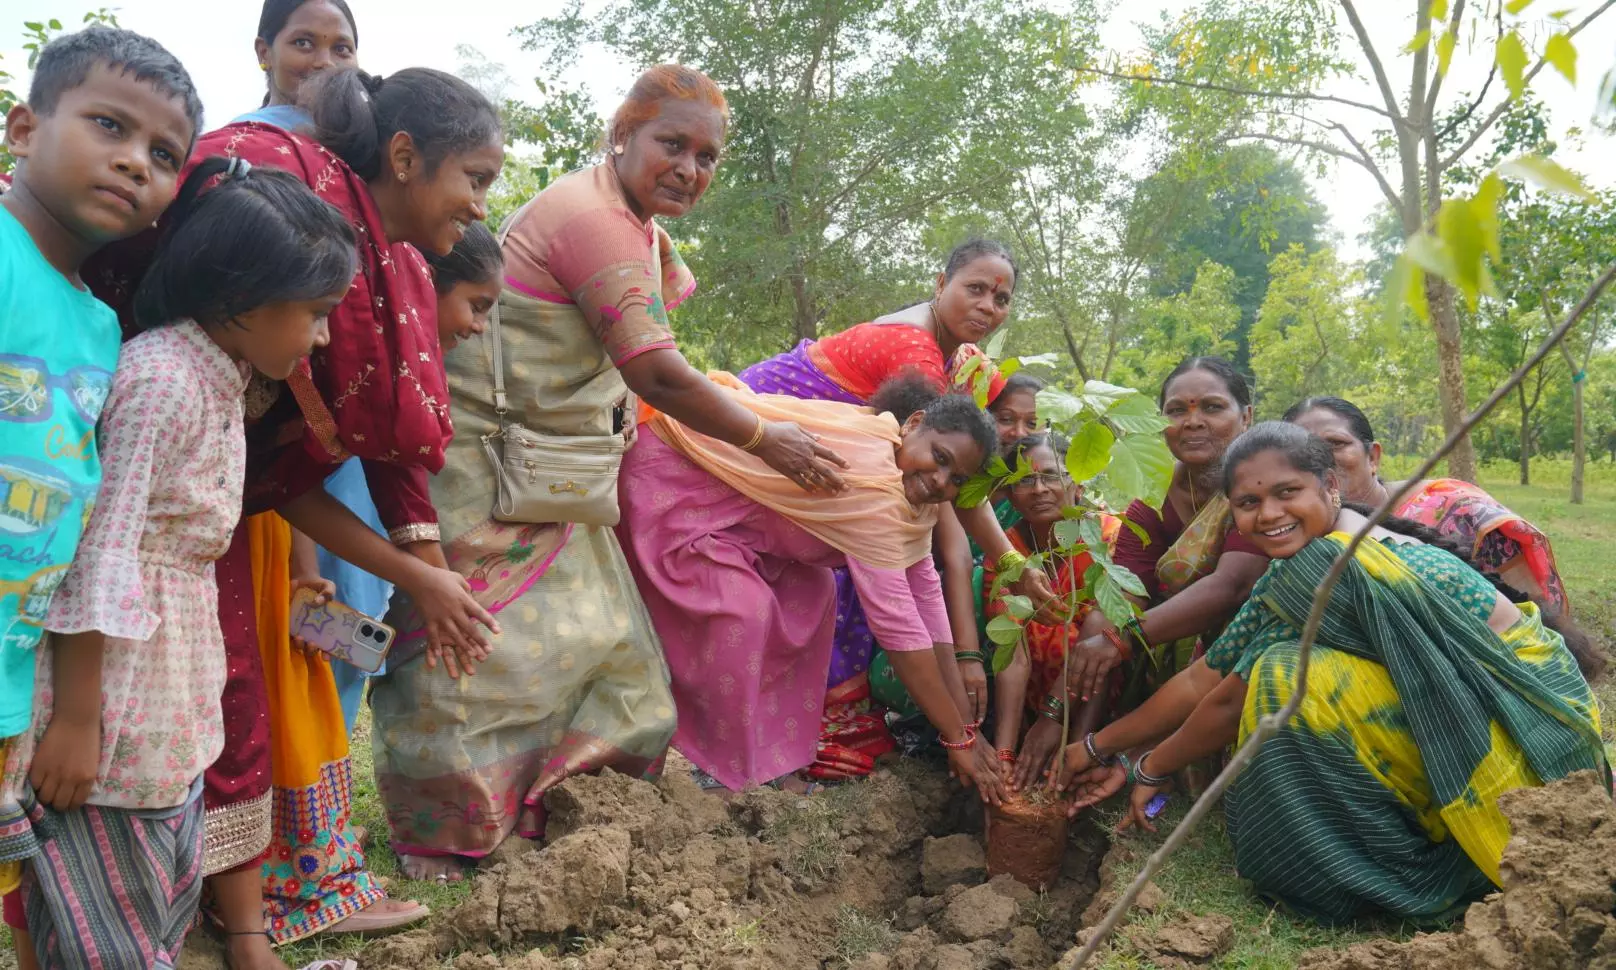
(637, 875)
(1555, 912)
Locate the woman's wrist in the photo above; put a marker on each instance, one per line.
(1144, 776)
(1010, 559)
(1134, 628)
(1053, 708)
(410, 572)
(1115, 639)
(756, 438)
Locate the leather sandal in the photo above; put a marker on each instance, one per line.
(372, 923)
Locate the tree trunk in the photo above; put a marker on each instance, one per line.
(1579, 447)
(1450, 370)
(804, 319)
(1526, 436)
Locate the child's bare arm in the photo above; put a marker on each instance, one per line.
(69, 755)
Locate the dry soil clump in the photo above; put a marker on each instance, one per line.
(1556, 907)
(883, 874)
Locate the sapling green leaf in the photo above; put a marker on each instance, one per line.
(1127, 579)
(1002, 655)
(1068, 534)
(1108, 597)
(1089, 451)
(1004, 630)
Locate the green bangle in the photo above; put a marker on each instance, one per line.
(1134, 628)
(971, 656)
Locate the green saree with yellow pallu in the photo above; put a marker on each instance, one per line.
(1381, 794)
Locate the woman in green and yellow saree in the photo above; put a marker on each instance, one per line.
(1430, 693)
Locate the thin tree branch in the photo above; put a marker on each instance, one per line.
(1420, 80)
(1368, 162)
(1481, 96)
(1269, 725)
(1244, 92)
(1308, 143)
(1503, 106)
(1393, 109)
(1436, 82)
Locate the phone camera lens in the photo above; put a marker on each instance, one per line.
(379, 636)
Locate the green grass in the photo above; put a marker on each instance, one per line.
(859, 934)
(1200, 880)
(1582, 535)
(368, 811)
(810, 834)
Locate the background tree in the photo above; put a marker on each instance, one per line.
(36, 34)
(1239, 59)
(855, 124)
(1242, 212)
(560, 133)
(1307, 331)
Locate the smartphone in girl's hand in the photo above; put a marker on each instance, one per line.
(1155, 806)
(340, 630)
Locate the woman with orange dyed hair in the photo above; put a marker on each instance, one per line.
(576, 681)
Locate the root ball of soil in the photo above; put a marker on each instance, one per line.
(1027, 839)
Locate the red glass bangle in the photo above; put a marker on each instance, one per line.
(1005, 754)
(970, 740)
(1116, 640)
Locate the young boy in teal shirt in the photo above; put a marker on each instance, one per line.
(110, 118)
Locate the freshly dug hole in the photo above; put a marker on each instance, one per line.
(636, 875)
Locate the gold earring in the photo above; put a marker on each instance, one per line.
(402, 177)
(617, 150)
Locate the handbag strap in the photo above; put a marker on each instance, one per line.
(497, 351)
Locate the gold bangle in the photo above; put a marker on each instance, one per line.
(757, 436)
(1009, 561)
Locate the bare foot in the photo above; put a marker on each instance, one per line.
(432, 868)
(251, 951)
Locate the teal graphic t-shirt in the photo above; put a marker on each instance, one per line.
(58, 349)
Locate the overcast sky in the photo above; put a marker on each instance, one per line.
(216, 44)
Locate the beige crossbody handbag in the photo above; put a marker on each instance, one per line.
(545, 478)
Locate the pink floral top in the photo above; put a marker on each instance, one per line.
(173, 449)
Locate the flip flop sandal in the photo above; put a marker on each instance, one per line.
(810, 787)
(368, 923)
(706, 782)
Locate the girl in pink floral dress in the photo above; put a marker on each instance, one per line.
(127, 711)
